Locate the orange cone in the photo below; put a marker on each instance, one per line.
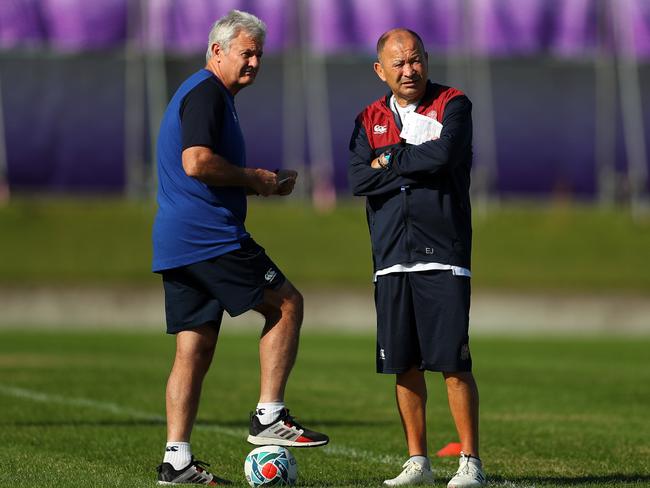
(451, 449)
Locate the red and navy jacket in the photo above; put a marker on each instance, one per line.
(418, 209)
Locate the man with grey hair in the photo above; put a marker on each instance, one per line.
(208, 261)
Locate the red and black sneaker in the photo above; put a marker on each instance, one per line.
(284, 431)
(194, 473)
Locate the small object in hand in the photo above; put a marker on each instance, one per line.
(284, 180)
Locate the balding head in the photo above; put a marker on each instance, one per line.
(402, 64)
(398, 34)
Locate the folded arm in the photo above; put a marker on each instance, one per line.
(431, 156)
(364, 179)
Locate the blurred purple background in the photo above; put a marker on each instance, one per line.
(560, 87)
(500, 27)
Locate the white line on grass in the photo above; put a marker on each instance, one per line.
(77, 402)
(36, 396)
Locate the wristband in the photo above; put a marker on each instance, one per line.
(384, 159)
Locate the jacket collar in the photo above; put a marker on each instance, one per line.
(429, 94)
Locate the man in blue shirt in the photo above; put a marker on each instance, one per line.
(208, 261)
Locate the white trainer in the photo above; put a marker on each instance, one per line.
(412, 474)
(470, 473)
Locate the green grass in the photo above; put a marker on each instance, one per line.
(84, 409)
(529, 247)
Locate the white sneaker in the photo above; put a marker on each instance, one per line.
(470, 473)
(413, 474)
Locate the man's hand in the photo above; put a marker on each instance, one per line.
(264, 182)
(375, 164)
(286, 181)
(381, 161)
(201, 163)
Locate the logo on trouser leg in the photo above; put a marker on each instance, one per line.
(382, 354)
(464, 352)
(270, 274)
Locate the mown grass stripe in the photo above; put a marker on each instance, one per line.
(22, 393)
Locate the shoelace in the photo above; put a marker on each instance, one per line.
(213, 479)
(201, 464)
(464, 468)
(292, 421)
(412, 466)
(468, 469)
(195, 462)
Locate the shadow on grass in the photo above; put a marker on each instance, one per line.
(85, 423)
(523, 481)
(308, 423)
(341, 482)
(231, 424)
(607, 479)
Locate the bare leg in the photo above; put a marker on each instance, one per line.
(283, 311)
(411, 394)
(462, 393)
(194, 351)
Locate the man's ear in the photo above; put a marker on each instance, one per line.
(380, 71)
(216, 49)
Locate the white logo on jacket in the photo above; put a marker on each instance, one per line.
(379, 129)
(270, 274)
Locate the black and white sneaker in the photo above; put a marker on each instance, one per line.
(194, 473)
(284, 431)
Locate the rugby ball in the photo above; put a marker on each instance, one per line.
(270, 466)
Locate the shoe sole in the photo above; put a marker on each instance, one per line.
(427, 482)
(186, 483)
(421, 483)
(268, 441)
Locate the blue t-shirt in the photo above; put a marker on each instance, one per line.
(196, 221)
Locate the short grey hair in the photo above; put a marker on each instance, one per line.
(229, 26)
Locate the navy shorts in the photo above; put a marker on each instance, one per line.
(199, 293)
(422, 321)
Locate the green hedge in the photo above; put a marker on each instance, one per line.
(516, 246)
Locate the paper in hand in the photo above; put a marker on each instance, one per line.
(419, 128)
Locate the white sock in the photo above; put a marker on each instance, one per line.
(423, 461)
(268, 412)
(178, 454)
